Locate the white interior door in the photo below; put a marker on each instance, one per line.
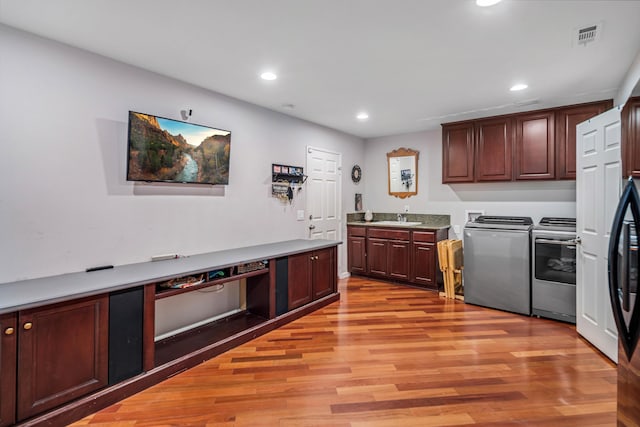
(323, 193)
(598, 187)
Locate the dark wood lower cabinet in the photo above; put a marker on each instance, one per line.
(324, 273)
(8, 349)
(405, 255)
(388, 253)
(62, 353)
(424, 264)
(398, 260)
(356, 248)
(377, 257)
(312, 275)
(300, 290)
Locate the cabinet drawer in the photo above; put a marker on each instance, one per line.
(356, 231)
(389, 234)
(424, 236)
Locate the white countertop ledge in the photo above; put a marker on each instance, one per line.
(42, 291)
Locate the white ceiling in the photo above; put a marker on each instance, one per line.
(411, 64)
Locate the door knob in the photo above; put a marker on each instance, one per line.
(311, 227)
(27, 326)
(578, 240)
(9, 331)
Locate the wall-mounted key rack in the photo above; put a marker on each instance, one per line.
(285, 179)
(290, 174)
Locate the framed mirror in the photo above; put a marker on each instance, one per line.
(402, 167)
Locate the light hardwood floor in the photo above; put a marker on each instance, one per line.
(389, 355)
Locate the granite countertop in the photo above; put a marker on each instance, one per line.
(33, 293)
(423, 226)
(427, 221)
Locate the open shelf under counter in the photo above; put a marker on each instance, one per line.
(168, 292)
(219, 331)
(214, 318)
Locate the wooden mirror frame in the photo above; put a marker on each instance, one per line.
(403, 152)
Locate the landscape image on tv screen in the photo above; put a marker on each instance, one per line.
(168, 150)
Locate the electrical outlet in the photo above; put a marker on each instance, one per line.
(406, 208)
(300, 215)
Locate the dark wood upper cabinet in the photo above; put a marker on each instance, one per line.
(535, 146)
(62, 353)
(494, 142)
(631, 137)
(566, 120)
(457, 153)
(8, 349)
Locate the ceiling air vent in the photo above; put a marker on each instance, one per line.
(588, 34)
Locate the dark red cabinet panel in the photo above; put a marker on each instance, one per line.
(457, 153)
(566, 120)
(8, 351)
(62, 353)
(535, 146)
(494, 142)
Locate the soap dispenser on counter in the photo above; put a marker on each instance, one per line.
(368, 216)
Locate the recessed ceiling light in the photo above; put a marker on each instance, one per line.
(362, 116)
(268, 76)
(486, 3)
(519, 86)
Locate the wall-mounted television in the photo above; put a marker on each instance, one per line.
(166, 150)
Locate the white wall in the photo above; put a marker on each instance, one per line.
(534, 199)
(630, 83)
(64, 202)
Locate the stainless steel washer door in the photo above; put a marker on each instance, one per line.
(497, 269)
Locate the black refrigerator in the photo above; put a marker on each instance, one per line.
(623, 284)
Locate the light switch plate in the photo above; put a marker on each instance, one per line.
(456, 229)
(300, 215)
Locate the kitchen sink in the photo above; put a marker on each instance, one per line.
(403, 223)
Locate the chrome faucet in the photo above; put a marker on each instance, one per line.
(401, 217)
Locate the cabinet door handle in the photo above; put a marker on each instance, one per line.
(311, 258)
(316, 257)
(9, 331)
(27, 326)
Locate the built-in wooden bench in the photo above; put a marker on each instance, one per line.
(75, 343)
